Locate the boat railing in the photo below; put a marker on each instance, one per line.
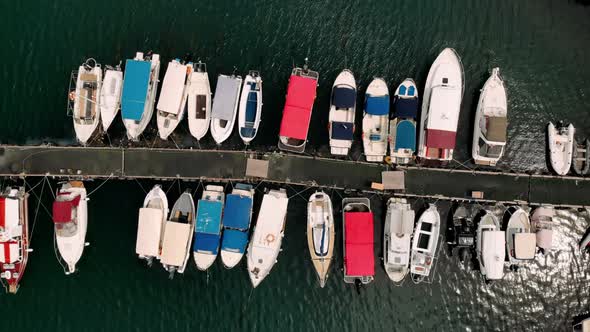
(462, 73)
(72, 93)
(305, 73)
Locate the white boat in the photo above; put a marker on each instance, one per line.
(150, 227)
(489, 136)
(265, 243)
(86, 98)
(225, 107)
(402, 127)
(342, 112)
(110, 96)
(358, 241)
(521, 244)
(250, 107)
(70, 216)
(208, 227)
(198, 101)
(425, 244)
(320, 234)
(376, 121)
(178, 233)
(172, 98)
(397, 238)
(561, 147)
(140, 84)
(542, 224)
(237, 217)
(490, 247)
(440, 107)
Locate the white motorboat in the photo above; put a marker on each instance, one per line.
(225, 107)
(490, 247)
(320, 234)
(542, 224)
(489, 136)
(208, 229)
(521, 244)
(376, 121)
(440, 107)
(402, 127)
(250, 107)
(265, 243)
(237, 216)
(342, 112)
(140, 84)
(198, 101)
(178, 233)
(397, 238)
(86, 100)
(358, 241)
(425, 244)
(172, 98)
(70, 216)
(110, 95)
(150, 227)
(561, 147)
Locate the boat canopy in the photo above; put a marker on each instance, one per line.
(525, 245)
(343, 97)
(172, 88)
(9, 252)
(442, 115)
(441, 139)
(206, 242)
(405, 108)
(496, 129)
(209, 216)
(9, 215)
(405, 137)
(237, 212)
(176, 237)
(149, 229)
(359, 258)
(224, 103)
(135, 89)
(377, 105)
(342, 130)
(493, 253)
(62, 210)
(406, 226)
(298, 105)
(234, 240)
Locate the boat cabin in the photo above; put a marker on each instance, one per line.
(65, 209)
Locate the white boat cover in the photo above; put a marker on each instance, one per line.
(493, 253)
(9, 252)
(545, 238)
(270, 221)
(149, 230)
(525, 245)
(11, 217)
(175, 245)
(172, 88)
(224, 103)
(407, 224)
(440, 116)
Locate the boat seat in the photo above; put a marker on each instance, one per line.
(402, 90)
(411, 91)
(374, 137)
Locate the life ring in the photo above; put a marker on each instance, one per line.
(270, 238)
(72, 95)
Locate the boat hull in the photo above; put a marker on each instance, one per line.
(402, 127)
(341, 119)
(199, 104)
(376, 126)
(425, 244)
(71, 247)
(86, 115)
(561, 144)
(320, 214)
(110, 97)
(12, 271)
(248, 123)
(221, 129)
(397, 238)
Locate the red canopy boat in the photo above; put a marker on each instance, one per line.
(359, 259)
(297, 112)
(14, 237)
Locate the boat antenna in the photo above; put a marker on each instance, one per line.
(234, 72)
(305, 66)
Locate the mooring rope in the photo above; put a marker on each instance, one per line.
(138, 183)
(105, 181)
(37, 211)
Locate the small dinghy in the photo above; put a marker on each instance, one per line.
(561, 145)
(150, 227)
(265, 244)
(250, 107)
(542, 224)
(225, 107)
(110, 95)
(140, 85)
(402, 127)
(376, 121)
(198, 101)
(521, 244)
(425, 244)
(178, 233)
(237, 216)
(172, 98)
(86, 100)
(70, 216)
(461, 232)
(489, 137)
(320, 234)
(581, 157)
(14, 237)
(359, 259)
(490, 247)
(208, 230)
(342, 112)
(397, 238)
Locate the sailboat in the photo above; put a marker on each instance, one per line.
(561, 146)
(320, 234)
(178, 233)
(237, 217)
(490, 247)
(250, 107)
(208, 228)
(14, 237)
(110, 95)
(376, 121)
(342, 112)
(425, 244)
(150, 227)
(521, 243)
(397, 238)
(198, 101)
(225, 107)
(172, 98)
(86, 97)
(402, 127)
(359, 260)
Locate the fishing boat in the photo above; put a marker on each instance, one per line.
(198, 101)
(342, 112)
(581, 157)
(359, 261)
(172, 98)
(237, 217)
(490, 247)
(425, 244)
(301, 94)
(542, 224)
(250, 107)
(376, 121)
(70, 217)
(86, 100)
(461, 232)
(265, 244)
(441, 106)
(208, 230)
(320, 234)
(397, 238)
(225, 106)
(521, 244)
(178, 233)
(489, 136)
(110, 95)
(561, 146)
(150, 227)
(140, 84)
(14, 237)
(402, 127)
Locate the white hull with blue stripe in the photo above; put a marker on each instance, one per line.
(237, 217)
(208, 227)
(402, 128)
(250, 107)
(376, 121)
(342, 112)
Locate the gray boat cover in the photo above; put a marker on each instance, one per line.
(497, 129)
(224, 102)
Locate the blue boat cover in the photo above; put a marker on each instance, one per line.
(209, 217)
(247, 132)
(342, 130)
(234, 241)
(405, 137)
(206, 243)
(237, 212)
(377, 105)
(405, 108)
(343, 97)
(251, 107)
(135, 88)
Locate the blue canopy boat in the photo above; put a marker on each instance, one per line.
(376, 121)
(208, 227)
(236, 224)
(403, 122)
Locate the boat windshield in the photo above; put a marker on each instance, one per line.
(489, 149)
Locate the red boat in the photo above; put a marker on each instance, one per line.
(297, 112)
(14, 237)
(359, 259)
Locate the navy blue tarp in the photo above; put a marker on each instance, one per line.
(405, 108)
(377, 105)
(343, 97)
(342, 130)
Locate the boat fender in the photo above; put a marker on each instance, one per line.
(72, 95)
(388, 160)
(270, 238)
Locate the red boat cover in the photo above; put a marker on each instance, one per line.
(2, 212)
(359, 258)
(298, 106)
(62, 210)
(441, 139)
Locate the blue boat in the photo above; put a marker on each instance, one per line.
(236, 224)
(208, 227)
(250, 107)
(403, 124)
